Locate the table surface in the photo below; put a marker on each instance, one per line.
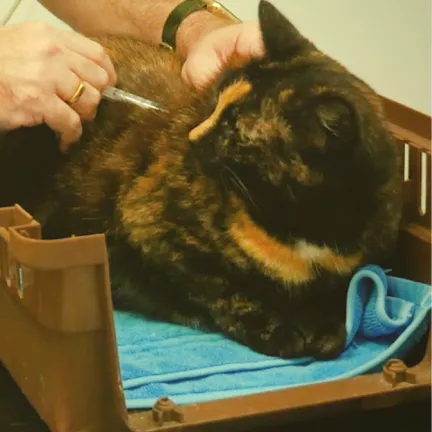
(16, 415)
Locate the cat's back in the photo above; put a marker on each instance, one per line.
(29, 157)
(147, 70)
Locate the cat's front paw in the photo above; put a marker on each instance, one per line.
(329, 345)
(292, 342)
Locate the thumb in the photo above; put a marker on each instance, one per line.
(231, 46)
(210, 56)
(201, 68)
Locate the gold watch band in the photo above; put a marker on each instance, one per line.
(186, 8)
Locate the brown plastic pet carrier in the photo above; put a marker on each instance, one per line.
(57, 336)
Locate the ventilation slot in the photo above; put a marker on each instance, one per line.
(406, 159)
(423, 184)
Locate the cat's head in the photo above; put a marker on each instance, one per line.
(299, 140)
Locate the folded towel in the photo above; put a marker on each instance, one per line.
(386, 317)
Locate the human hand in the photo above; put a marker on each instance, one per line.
(41, 68)
(230, 46)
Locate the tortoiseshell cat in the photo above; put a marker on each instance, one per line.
(245, 210)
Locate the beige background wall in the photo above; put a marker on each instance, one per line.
(385, 42)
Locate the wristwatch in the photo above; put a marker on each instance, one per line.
(186, 8)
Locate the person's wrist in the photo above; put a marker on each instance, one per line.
(195, 27)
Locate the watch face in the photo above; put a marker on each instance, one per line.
(185, 9)
(221, 11)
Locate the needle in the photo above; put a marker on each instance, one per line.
(116, 94)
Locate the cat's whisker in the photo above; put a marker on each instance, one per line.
(241, 187)
(336, 248)
(224, 182)
(291, 192)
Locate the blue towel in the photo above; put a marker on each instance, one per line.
(386, 316)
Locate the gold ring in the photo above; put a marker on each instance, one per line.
(78, 93)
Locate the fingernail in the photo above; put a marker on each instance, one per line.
(64, 146)
(64, 143)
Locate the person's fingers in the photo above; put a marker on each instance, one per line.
(201, 68)
(211, 56)
(249, 43)
(88, 71)
(91, 50)
(61, 118)
(230, 47)
(89, 100)
(87, 104)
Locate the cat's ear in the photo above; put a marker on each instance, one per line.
(281, 39)
(338, 121)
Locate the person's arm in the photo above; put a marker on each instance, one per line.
(209, 44)
(140, 18)
(50, 76)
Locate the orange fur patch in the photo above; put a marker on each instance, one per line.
(320, 90)
(272, 65)
(303, 174)
(289, 264)
(340, 264)
(276, 260)
(309, 59)
(264, 126)
(230, 95)
(284, 95)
